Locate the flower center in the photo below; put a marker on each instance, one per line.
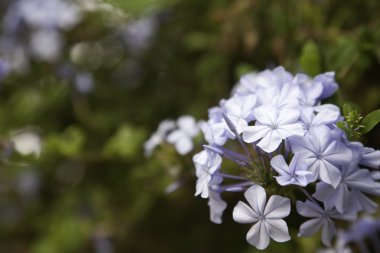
(262, 217)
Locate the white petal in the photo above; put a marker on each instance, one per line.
(288, 116)
(284, 180)
(277, 207)
(266, 115)
(310, 227)
(201, 187)
(240, 125)
(278, 164)
(217, 207)
(277, 230)
(184, 145)
(188, 125)
(243, 213)
(328, 231)
(258, 236)
(286, 131)
(337, 153)
(325, 117)
(309, 209)
(300, 144)
(329, 173)
(256, 197)
(371, 158)
(270, 142)
(175, 136)
(200, 158)
(254, 133)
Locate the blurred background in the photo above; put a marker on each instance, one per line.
(84, 83)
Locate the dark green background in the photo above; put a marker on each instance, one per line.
(95, 185)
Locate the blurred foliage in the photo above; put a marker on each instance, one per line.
(91, 189)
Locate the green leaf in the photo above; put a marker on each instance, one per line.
(69, 143)
(350, 107)
(137, 7)
(126, 142)
(242, 69)
(370, 121)
(310, 59)
(346, 109)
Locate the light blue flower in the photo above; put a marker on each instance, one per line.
(182, 137)
(272, 126)
(328, 82)
(325, 116)
(323, 152)
(295, 173)
(158, 137)
(310, 91)
(321, 219)
(266, 216)
(215, 202)
(215, 130)
(239, 109)
(283, 97)
(206, 164)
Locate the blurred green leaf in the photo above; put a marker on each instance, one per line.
(126, 142)
(70, 143)
(310, 59)
(66, 235)
(140, 6)
(370, 121)
(346, 109)
(242, 69)
(198, 41)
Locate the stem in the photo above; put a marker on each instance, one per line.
(237, 135)
(233, 187)
(231, 176)
(308, 196)
(235, 157)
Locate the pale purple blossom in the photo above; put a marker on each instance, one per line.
(42, 14)
(182, 137)
(323, 154)
(284, 97)
(158, 137)
(267, 216)
(247, 85)
(309, 91)
(363, 232)
(216, 203)
(294, 173)
(239, 109)
(328, 82)
(326, 116)
(370, 158)
(321, 219)
(207, 163)
(339, 247)
(46, 45)
(272, 127)
(215, 130)
(276, 125)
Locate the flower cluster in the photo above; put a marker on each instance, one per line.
(42, 22)
(180, 133)
(283, 140)
(363, 235)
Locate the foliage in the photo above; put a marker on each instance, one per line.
(90, 189)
